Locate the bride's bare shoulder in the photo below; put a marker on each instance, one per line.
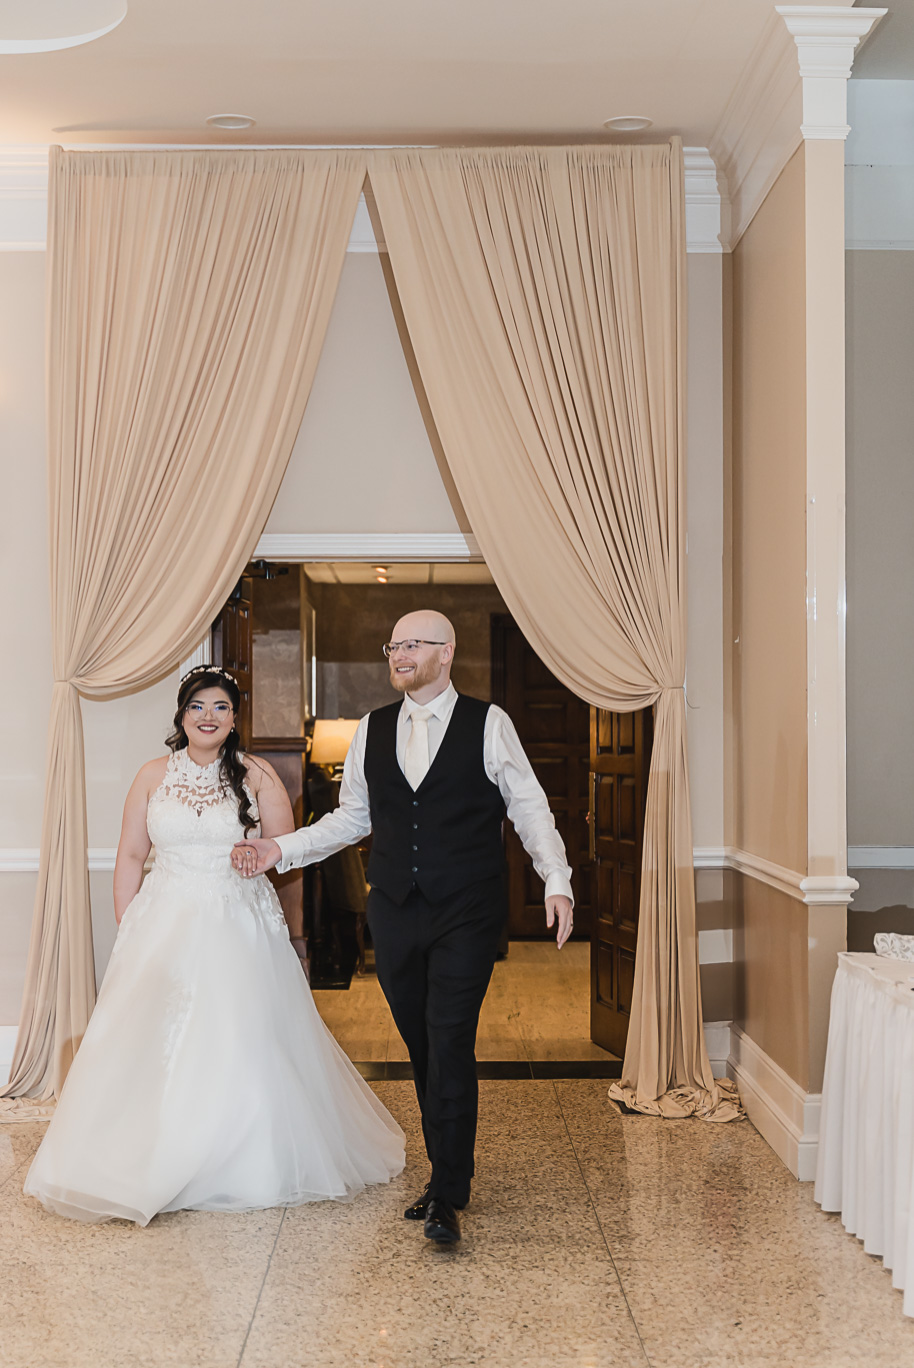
(152, 773)
(260, 773)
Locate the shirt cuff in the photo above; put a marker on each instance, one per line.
(558, 885)
(287, 845)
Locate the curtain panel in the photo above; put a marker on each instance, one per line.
(544, 294)
(189, 296)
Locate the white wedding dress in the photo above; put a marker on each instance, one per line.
(206, 1078)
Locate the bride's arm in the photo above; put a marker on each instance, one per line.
(134, 845)
(272, 799)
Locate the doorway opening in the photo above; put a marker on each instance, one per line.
(304, 640)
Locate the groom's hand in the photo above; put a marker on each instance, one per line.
(255, 856)
(558, 909)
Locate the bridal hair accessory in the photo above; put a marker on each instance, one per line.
(208, 669)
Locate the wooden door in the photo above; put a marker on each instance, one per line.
(620, 756)
(553, 725)
(235, 631)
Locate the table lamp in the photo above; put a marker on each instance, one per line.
(331, 740)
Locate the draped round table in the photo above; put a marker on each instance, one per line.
(865, 1166)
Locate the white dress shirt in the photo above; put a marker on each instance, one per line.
(505, 763)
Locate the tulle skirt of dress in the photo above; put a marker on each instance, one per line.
(206, 1078)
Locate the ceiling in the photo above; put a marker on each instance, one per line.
(354, 572)
(331, 71)
(889, 54)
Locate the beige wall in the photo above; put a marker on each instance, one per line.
(771, 973)
(362, 461)
(705, 493)
(26, 675)
(765, 646)
(880, 548)
(23, 547)
(768, 644)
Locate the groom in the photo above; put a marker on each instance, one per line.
(431, 778)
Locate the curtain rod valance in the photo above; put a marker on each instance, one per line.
(170, 159)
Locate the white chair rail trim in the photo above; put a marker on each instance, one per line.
(809, 889)
(880, 857)
(24, 859)
(782, 1112)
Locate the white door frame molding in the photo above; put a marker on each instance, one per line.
(367, 546)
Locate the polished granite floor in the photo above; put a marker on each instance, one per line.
(594, 1240)
(537, 1008)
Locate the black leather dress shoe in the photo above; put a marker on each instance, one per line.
(441, 1223)
(417, 1211)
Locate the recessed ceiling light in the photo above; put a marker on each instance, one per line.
(230, 121)
(379, 569)
(627, 123)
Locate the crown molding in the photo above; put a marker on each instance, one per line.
(23, 198)
(759, 130)
(24, 203)
(707, 206)
(793, 87)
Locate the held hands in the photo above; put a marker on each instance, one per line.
(558, 909)
(255, 856)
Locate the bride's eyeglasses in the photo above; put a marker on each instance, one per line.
(410, 647)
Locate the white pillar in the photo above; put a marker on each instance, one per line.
(826, 39)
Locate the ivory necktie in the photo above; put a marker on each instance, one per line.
(415, 759)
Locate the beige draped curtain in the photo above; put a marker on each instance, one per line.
(189, 295)
(544, 295)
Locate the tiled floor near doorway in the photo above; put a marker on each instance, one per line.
(594, 1240)
(537, 1008)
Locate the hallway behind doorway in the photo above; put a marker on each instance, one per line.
(537, 1009)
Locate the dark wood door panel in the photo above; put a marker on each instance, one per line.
(553, 725)
(620, 749)
(235, 630)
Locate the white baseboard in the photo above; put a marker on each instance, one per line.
(782, 1112)
(7, 1045)
(717, 1043)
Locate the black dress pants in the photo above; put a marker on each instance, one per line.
(434, 962)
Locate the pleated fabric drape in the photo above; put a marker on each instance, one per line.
(544, 294)
(189, 296)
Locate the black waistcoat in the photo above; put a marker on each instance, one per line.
(446, 834)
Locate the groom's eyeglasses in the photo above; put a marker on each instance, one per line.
(410, 647)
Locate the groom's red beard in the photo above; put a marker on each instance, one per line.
(426, 672)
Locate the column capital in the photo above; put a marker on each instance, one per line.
(827, 38)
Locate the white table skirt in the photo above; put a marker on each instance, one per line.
(865, 1165)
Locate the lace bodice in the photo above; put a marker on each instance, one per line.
(192, 819)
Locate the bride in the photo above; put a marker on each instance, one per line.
(206, 1078)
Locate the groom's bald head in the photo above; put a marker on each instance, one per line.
(430, 664)
(425, 624)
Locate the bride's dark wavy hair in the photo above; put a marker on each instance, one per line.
(231, 769)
